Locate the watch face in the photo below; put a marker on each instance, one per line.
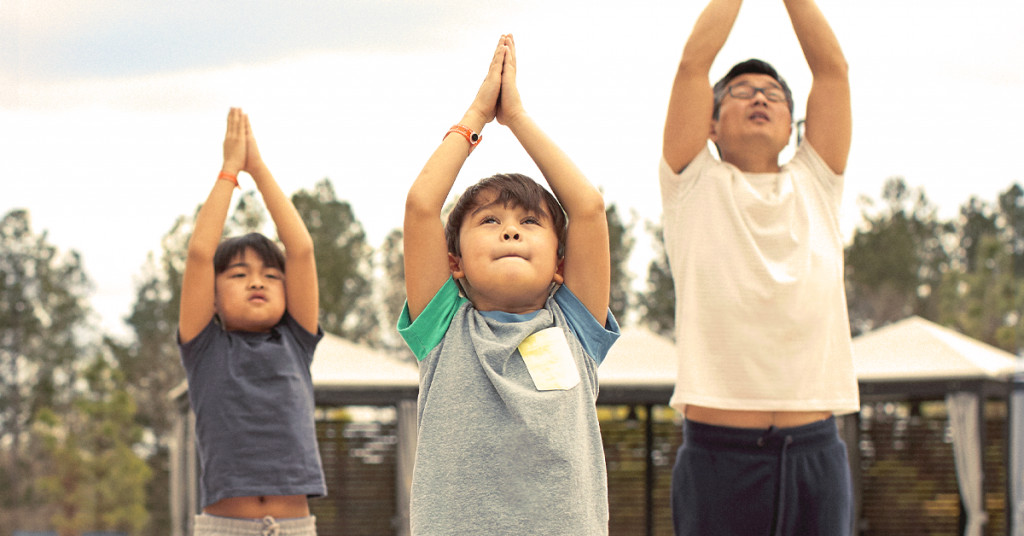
(474, 137)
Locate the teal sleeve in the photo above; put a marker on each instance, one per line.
(426, 332)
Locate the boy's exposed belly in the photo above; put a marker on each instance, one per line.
(278, 506)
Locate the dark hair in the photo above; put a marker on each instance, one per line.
(745, 67)
(510, 189)
(267, 251)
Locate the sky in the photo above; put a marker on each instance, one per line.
(112, 112)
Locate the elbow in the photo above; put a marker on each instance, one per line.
(417, 207)
(303, 247)
(591, 207)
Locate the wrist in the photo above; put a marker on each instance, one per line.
(471, 136)
(474, 120)
(228, 176)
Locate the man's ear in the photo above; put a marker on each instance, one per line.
(455, 267)
(559, 276)
(713, 131)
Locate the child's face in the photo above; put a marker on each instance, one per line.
(249, 296)
(509, 258)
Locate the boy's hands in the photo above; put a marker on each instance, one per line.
(253, 160)
(235, 142)
(510, 105)
(485, 104)
(240, 150)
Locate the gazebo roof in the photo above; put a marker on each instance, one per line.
(917, 349)
(340, 363)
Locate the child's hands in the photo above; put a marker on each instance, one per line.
(486, 102)
(235, 142)
(510, 105)
(253, 160)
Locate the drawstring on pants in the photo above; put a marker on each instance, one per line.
(780, 503)
(270, 526)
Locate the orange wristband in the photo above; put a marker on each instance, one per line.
(225, 176)
(472, 137)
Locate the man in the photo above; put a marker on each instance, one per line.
(757, 260)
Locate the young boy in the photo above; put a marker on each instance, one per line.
(247, 334)
(757, 259)
(508, 434)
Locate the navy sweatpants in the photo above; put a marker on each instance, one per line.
(774, 482)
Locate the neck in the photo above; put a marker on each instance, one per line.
(753, 161)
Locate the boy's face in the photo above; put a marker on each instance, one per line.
(249, 296)
(741, 120)
(509, 257)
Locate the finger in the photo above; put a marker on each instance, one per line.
(230, 129)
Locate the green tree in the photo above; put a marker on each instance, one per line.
(344, 263)
(896, 259)
(151, 364)
(95, 481)
(658, 301)
(43, 315)
(392, 264)
(984, 296)
(620, 241)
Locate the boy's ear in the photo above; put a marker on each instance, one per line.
(713, 131)
(455, 266)
(559, 276)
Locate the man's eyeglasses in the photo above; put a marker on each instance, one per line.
(744, 91)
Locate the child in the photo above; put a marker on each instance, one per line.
(508, 441)
(247, 333)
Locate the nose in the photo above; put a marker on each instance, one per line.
(256, 282)
(510, 233)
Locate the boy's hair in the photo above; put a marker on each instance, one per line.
(511, 189)
(745, 67)
(263, 247)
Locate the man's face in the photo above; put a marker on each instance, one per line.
(757, 118)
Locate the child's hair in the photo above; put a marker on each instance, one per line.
(512, 189)
(752, 65)
(263, 247)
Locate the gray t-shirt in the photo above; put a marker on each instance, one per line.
(509, 441)
(253, 398)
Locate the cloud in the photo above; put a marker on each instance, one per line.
(51, 40)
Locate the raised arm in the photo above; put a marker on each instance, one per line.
(688, 121)
(587, 264)
(197, 288)
(425, 248)
(829, 123)
(302, 291)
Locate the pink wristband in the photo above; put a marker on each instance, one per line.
(225, 176)
(472, 137)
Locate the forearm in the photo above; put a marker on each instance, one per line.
(209, 223)
(817, 41)
(431, 188)
(709, 35)
(290, 227)
(577, 195)
(691, 102)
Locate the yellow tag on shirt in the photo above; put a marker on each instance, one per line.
(549, 360)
